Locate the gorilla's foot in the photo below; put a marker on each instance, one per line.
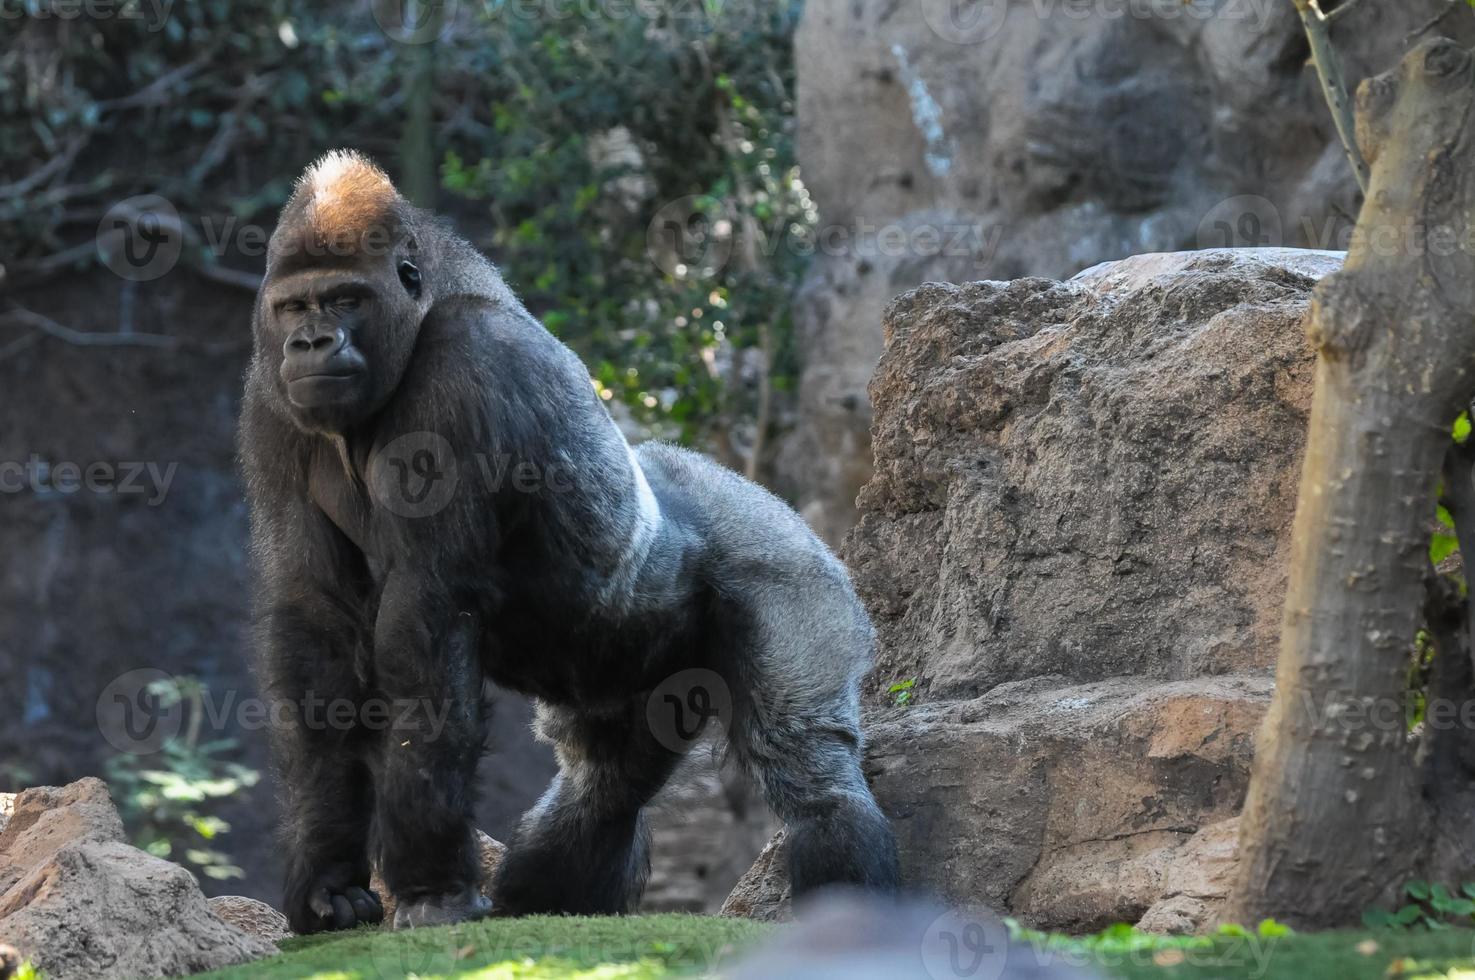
(442, 910)
(331, 904)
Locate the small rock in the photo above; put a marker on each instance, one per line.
(252, 917)
(763, 893)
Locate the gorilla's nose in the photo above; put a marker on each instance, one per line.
(313, 350)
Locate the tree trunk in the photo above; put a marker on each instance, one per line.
(1339, 814)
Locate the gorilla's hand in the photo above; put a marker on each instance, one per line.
(331, 899)
(442, 910)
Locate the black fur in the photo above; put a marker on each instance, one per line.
(587, 586)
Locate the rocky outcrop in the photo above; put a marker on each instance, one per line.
(956, 142)
(77, 901)
(1075, 547)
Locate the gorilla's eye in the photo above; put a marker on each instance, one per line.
(346, 302)
(409, 277)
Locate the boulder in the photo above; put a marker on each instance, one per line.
(1075, 546)
(491, 851)
(77, 901)
(252, 917)
(46, 818)
(1037, 140)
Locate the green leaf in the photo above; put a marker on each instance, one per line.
(1441, 546)
(1444, 516)
(1462, 424)
(1419, 889)
(1270, 929)
(1376, 918)
(1408, 915)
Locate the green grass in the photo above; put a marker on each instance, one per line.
(1372, 954)
(636, 947)
(649, 946)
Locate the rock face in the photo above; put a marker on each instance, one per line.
(1075, 544)
(993, 140)
(78, 902)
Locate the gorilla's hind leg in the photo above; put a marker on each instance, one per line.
(810, 774)
(584, 849)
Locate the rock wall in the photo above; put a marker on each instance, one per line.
(956, 142)
(1075, 545)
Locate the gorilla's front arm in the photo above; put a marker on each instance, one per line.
(426, 670)
(312, 654)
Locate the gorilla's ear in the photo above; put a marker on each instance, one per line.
(409, 277)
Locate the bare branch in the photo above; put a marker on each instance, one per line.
(1333, 84)
(56, 165)
(95, 338)
(86, 338)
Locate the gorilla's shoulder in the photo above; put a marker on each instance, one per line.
(742, 521)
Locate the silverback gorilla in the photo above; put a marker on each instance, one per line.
(439, 499)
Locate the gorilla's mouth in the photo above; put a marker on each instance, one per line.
(321, 390)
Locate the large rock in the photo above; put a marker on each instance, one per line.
(77, 901)
(993, 140)
(1075, 544)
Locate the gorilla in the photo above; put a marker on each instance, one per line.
(441, 501)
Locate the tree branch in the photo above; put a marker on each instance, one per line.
(1333, 84)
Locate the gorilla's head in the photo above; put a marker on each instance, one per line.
(348, 282)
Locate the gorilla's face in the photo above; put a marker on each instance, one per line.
(342, 329)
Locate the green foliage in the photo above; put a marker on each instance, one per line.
(1431, 906)
(1126, 938)
(28, 972)
(629, 164)
(566, 135)
(902, 691)
(166, 800)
